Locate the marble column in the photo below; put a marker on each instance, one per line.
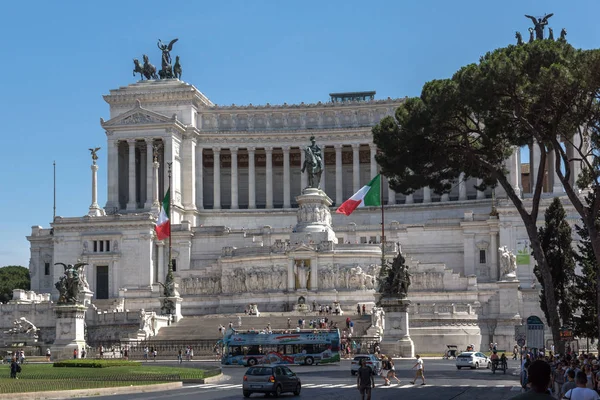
(323, 177)
(462, 187)
(168, 158)
(339, 194)
(131, 202)
(291, 277)
(480, 193)
(199, 178)
(286, 177)
(355, 167)
(95, 210)
(251, 178)
(188, 176)
(314, 274)
(216, 178)
(373, 149)
(534, 162)
(161, 261)
(410, 199)
(391, 194)
(494, 273)
(155, 202)
(554, 183)
(112, 198)
(234, 178)
(149, 173)
(269, 176)
(426, 194)
(445, 197)
(514, 171)
(303, 175)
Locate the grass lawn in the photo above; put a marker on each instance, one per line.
(43, 377)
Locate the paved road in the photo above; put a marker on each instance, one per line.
(444, 382)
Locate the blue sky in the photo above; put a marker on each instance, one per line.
(61, 57)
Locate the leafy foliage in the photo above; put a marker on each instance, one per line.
(585, 323)
(13, 277)
(556, 239)
(96, 363)
(541, 94)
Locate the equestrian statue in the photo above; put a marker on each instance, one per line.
(313, 163)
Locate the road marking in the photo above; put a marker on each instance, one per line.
(353, 386)
(516, 388)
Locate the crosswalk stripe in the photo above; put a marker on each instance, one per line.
(353, 386)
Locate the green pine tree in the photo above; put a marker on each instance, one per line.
(555, 237)
(586, 322)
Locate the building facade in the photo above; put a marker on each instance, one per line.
(235, 180)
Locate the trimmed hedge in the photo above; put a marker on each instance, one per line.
(94, 363)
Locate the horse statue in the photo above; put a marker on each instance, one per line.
(563, 35)
(138, 68)
(177, 68)
(149, 69)
(313, 163)
(519, 38)
(550, 34)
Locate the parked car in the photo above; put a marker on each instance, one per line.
(270, 379)
(472, 359)
(371, 361)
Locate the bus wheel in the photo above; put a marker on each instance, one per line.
(252, 362)
(309, 361)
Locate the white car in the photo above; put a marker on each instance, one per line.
(472, 359)
(371, 361)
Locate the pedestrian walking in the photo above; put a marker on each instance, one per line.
(365, 380)
(154, 353)
(74, 353)
(14, 368)
(420, 370)
(392, 371)
(48, 355)
(146, 351)
(180, 356)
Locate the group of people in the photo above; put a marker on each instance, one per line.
(188, 352)
(365, 380)
(572, 377)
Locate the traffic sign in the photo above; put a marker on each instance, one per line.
(521, 342)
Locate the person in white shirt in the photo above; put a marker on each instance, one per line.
(420, 370)
(581, 392)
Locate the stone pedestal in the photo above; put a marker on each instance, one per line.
(70, 331)
(176, 306)
(508, 291)
(396, 336)
(314, 218)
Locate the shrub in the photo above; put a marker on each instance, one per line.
(92, 363)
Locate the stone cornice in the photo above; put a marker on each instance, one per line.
(305, 106)
(104, 224)
(158, 91)
(326, 137)
(141, 118)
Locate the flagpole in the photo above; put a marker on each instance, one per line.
(169, 216)
(382, 221)
(54, 210)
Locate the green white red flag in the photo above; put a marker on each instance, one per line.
(368, 195)
(163, 224)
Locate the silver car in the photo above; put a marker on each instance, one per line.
(371, 361)
(270, 379)
(473, 360)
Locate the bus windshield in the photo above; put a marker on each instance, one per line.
(310, 347)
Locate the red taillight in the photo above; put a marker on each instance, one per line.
(245, 378)
(271, 379)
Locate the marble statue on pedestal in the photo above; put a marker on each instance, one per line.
(301, 271)
(71, 283)
(508, 262)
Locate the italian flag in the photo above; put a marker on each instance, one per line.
(163, 225)
(368, 195)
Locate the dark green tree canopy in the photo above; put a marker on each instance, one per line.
(473, 122)
(13, 277)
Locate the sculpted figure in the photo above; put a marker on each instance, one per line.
(531, 38)
(508, 261)
(166, 71)
(301, 271)
(177, 68)
(70, 285)
(519, 38)
(94, 155)
(313, 163)
(539, 25)
(149, 70)
(138, 69)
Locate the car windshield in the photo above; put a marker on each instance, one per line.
(466, 354)
(360, 358)
(260, 371)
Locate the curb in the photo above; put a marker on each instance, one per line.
(66, 394)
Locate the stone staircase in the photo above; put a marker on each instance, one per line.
(207, 327)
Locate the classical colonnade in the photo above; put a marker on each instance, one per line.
(132, 181)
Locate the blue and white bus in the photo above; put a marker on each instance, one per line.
(309, 347)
